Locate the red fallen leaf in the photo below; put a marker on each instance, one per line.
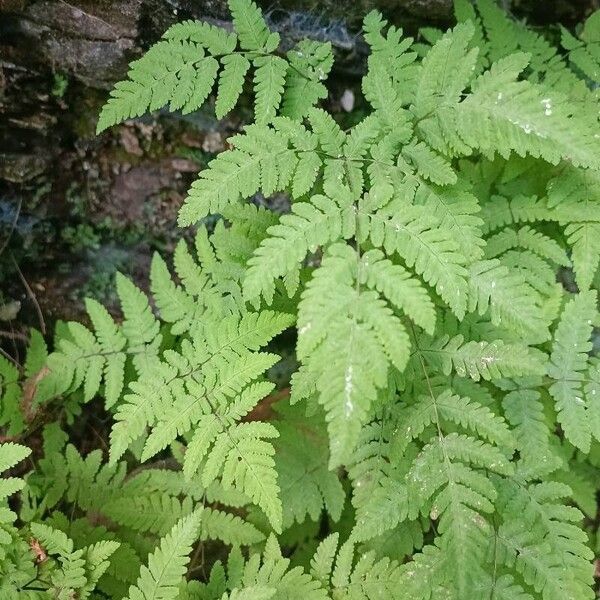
(38, 550)
(263, 411)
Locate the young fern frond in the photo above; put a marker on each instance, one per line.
(568, 363)
(89, 359)
(11, 454)
(167, 564)
(511, 302)
(182, 68)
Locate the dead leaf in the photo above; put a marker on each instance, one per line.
(38, 550)
(29, 390)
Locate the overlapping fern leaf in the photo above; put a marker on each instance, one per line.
(192, 57)
(97, 358)
(438, 264)
(204, 389)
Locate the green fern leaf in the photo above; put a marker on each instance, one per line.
(424, 245)
(529, 239)
(483, 360)
(429, 164)
(525, 412)
(310, 63)
(509, 299)
(450, 407)
(269, 79)
(307, 486)
(445, 71)
(310, 225)
(215, 39)
(231, 81)
(175, 72)
(584, 239)
(567, 365)
(457, 209)
(251, 27)
(166, 565)
(520, 117)
(397, 285)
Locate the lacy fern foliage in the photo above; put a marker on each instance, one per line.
(432, 291)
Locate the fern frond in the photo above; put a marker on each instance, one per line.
(583, 52)
(432, 250)
(538, 273)
(251, 27)
(261, 159)
(310, 63)
(172, 72)
(158, 399)
(11, 414)
(88, 359)
(525, 412)
(148, 513)
(510, 300)
(445, 71)
(430, 164)
(584, 239)
(378, 88)
(398, 287)
(458, 210)
(311, 224)
(369, 578)
(307, 486)
(215, 39)
(231, 82)
(568, 362)
(347, 384)
(181, 69)
(483, 360)
(167, 564)
(269, 80)
(528, 239)
(592, 392)
(503, 115)
(10, 455)
(500, 211)
(450, 462)
(550, 553)
(452, 408)
(244, 458)
(139, 327)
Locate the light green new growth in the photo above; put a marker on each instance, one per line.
(432, 291)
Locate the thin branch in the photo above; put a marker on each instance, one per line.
(9, 357)
(32, 297)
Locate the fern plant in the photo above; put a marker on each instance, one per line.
(436, 279)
